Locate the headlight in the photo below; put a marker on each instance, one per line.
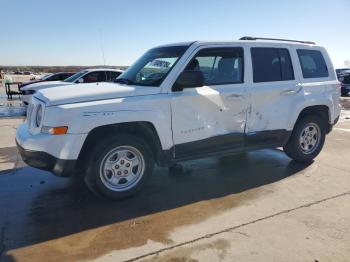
(58, 130)
(39, 115)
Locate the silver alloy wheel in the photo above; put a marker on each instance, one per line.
(122, 168)
(309, 138)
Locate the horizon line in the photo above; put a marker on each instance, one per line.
(63, 65)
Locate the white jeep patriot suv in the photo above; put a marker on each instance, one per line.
(184, 101)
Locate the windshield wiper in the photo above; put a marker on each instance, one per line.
(124, 81)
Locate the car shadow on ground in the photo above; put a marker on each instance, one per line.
(40, 207)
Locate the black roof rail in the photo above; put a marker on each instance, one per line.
(276, 39)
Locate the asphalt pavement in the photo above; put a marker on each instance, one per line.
(259, 206)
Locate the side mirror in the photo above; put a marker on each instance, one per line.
(189, 79)
(81, 80)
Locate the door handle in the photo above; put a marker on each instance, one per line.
(234, 96)
(292, 91)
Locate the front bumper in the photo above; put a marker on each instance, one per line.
(45, 161)
(55, 153)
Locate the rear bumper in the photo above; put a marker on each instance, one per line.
(45, 161)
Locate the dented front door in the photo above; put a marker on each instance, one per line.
(208, 119)
(211, 118)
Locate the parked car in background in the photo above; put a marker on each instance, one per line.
(345, 84)
(180, 102)
(50, 77)
(341, 72)
(84, 76)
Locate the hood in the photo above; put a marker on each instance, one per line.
(90, 92)
(31, 82)
(47, 84)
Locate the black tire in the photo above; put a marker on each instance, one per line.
(94, 179)
(293, 148)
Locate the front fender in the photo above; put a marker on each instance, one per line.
(81, 118)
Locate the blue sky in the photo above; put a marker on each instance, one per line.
(68, 32)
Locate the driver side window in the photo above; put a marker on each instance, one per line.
(219, 65)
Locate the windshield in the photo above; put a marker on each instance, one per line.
(75, 76)
(153, 66)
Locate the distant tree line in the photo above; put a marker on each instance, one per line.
(54, 69)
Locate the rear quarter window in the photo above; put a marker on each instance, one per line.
(312, 63)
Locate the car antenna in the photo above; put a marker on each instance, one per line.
(102, 49)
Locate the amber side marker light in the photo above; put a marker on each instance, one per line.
(59, 130)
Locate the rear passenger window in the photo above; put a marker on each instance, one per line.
(271, 64)
(102, 76)
(312, 63)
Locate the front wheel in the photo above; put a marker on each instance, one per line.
(119, 166)
(307, 139)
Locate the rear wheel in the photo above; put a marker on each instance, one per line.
(119, 166)
(307, 139)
